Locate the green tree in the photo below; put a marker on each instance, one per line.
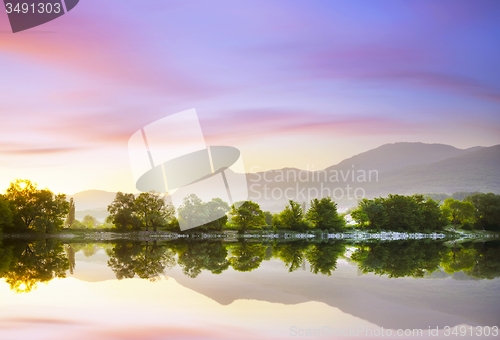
(217, 210)
(486, 211)
(153, 210)
(71, 214)
(193, 211)
(5, 214)
(371, 212)
(400, 213)
(247, 216)
(293, 217)
(269, 218)
(459, 212)
(122, 212)
(34, 209)
(323, 214)
(90, 221)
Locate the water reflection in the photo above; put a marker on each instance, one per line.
(24, 264)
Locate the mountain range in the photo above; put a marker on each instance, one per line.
(398, 168)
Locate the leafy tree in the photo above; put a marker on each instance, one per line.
(122, 212)
(90, 221)
(323, 214)
(34, 209)
(432, 217)
(71, 214)
(196, 213)
(293, 217)
(193, 211)
(247, 216)
(78, 225)
(458, 211)
(486, 211)
(269, 218)
(153, 210)
(400, 213)
(216, 208)
(371, 212)
(276, 221)
(5, 214)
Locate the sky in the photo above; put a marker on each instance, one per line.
(301, 84)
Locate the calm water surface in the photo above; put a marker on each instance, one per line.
(52, 289)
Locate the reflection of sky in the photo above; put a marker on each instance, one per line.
(262, 304)
(289, 83)
(139, 309)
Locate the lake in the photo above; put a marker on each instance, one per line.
(242, 289)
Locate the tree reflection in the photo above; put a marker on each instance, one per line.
(246, 256)
(486, 261)
(400, 258)
(292, 254)
(458, 259)
(146, 260)
(25, 264)
(193, 257)
(323, 257)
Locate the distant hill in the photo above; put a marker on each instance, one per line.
(402, 168)
(473, 171)
(389, 157)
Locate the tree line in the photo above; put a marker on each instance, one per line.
(149, 210)
(417, 213)
(25, 208)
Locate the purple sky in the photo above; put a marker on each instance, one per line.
(290, 83)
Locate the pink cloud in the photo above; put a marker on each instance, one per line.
(107, 49)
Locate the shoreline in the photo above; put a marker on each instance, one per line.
(357, 236)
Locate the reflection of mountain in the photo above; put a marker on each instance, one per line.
(391, 303)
